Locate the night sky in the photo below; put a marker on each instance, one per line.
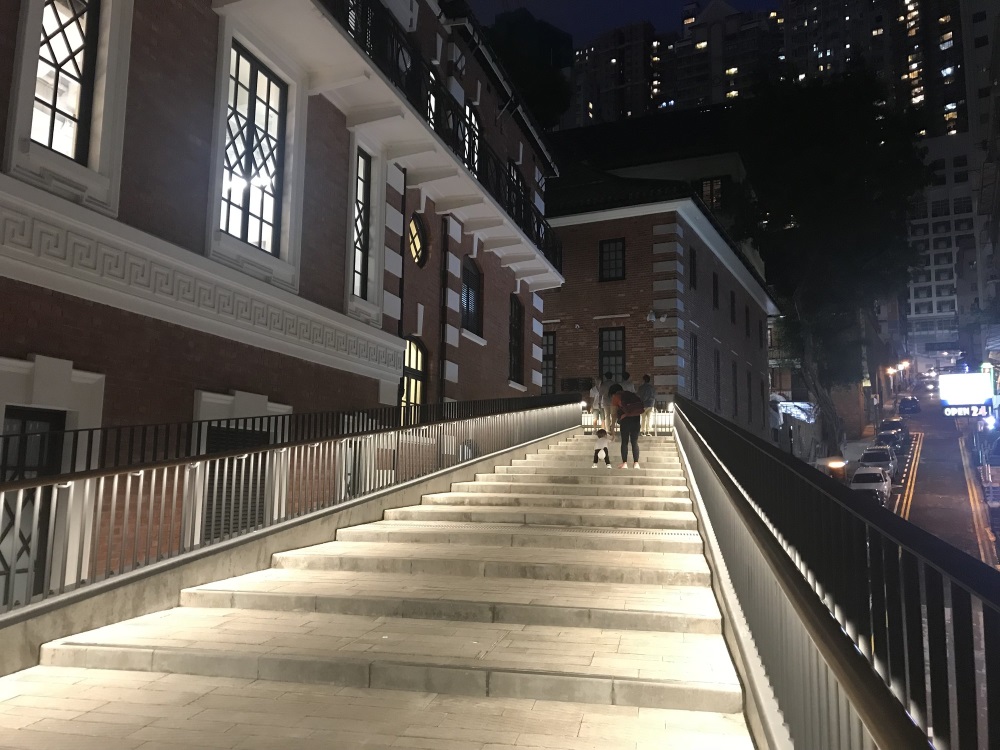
(585, 19)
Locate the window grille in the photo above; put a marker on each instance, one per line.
(362, 223)
(417, 240)
(64, 83)
(253, 165)
(413, 385)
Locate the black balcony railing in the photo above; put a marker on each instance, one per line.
(376, 31)
(128, 446)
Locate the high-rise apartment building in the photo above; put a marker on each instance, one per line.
(721, 54)
(612, 78)
(934, 56)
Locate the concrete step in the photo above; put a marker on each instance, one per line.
(665, 568)
(605, 477)
(580, 457)
(685, 671)
(517, 535)
(560, 468)
(113, 710)
(589, 517)
(555, 488)
(681, 609)
(526, 499)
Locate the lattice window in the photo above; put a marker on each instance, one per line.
(516, 370)
(416, 240)
(253, 165)
(64, 83)
(471, 139)
(414, 375)
(362, 223)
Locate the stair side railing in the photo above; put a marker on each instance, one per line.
(61, 534)
(870, 631)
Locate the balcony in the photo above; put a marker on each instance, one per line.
(355, 53)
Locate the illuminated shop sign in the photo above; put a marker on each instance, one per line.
(966, 394)
(968, 411)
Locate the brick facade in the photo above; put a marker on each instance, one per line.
(152, 368)
(168, 151)
(658, 278)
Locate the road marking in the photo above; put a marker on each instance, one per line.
(987, 550)
(911, 476)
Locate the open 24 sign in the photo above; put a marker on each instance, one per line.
(981, 410)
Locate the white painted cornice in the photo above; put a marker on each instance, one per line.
(55, 244)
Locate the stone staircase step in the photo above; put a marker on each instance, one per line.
(554, 488)
(587, 458)
(560, 468)
(517, 535)
(595, 476)
(681, 609)
(686, 671)
(502, 562)
(152, 710)
(625, 519)
(525, 499)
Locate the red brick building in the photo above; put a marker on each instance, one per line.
(213, 209)
(655, 286)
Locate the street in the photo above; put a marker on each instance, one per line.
(939, 489)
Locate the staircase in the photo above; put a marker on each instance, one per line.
(547, 605)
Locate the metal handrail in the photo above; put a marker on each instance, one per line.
(374, 29)
(94, 449)
(886, 584)
(58, 535)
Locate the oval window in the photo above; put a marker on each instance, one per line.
(417, 240)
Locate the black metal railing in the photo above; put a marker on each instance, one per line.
(376, 31)
(924, 616)
(124, 446)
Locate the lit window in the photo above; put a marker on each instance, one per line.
(417, 240)
(946, 45)
(689, 20)
(732, 71)
(774, 14)
(614, 60)
(701, 45)
(472, 297)
(362, 224)
(253, 165)
(732, 94)
(877, 32)
(944, 19)
(950, 107)
(947, 71)
(802, 76)
(471, 139)
(414, 377)
(64, 84)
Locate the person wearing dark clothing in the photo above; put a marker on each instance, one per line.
(627, 407)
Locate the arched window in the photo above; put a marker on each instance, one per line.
(414, 375)
(416, 239)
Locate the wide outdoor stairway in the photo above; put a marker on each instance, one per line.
(547, 605)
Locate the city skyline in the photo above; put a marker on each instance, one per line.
(587, 19)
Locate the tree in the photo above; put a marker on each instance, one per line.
(834, 169)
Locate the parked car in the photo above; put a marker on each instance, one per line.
(891, 439)
(908, 405)
(896, 424)
(880, 457)
(872, 478)
(875, 495)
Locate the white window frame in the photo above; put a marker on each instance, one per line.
(98, 184)
(281, 270)
(367, 310)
